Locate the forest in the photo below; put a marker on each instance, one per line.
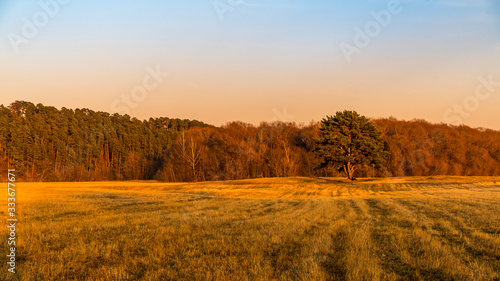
(44, 143)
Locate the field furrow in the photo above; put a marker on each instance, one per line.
(268, 229)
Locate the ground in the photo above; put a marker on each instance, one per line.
(439, 228)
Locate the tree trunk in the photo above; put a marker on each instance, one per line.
(349, 170)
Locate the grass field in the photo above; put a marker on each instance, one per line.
(441, 228)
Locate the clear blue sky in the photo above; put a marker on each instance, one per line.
(261, 61)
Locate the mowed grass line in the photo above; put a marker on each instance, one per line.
(416, 250)
(444, 228)
(474, 228)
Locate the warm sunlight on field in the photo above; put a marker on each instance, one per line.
(441, 228)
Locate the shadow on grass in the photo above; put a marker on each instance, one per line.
(336, 181)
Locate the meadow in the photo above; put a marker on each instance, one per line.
(416, 228)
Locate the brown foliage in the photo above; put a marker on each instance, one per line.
(240, 151)
(419, 148)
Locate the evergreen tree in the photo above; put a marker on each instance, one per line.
(349, 140)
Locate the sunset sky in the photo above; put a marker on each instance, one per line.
(256, 61)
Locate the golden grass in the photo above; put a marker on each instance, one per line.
(440, 228)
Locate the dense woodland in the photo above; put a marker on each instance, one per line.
(46, 144)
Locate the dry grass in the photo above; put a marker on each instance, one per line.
(443, 228)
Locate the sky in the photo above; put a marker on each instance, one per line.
(256, 60)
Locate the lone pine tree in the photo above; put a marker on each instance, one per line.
(348, 141)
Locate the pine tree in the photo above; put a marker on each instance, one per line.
(348, 141)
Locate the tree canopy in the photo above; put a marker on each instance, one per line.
(44, 143)
(350, 140)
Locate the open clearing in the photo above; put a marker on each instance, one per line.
(440, 228)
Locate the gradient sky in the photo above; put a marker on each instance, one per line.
(265, 60)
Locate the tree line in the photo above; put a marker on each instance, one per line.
(47, 144)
